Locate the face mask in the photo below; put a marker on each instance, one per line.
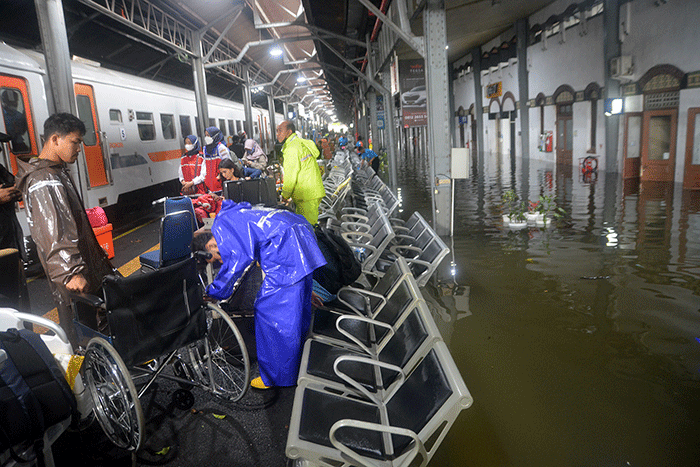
(208, 140)
(189, 147)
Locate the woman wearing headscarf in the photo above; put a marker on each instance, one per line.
(254, 156)
(214, 151)
(192, 171)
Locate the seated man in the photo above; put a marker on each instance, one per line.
(285, 246)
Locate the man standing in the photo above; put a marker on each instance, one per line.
(69, 252)
(302, 177)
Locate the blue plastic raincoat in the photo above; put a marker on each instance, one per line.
(285, 246)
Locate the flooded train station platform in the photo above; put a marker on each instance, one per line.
(580, 343)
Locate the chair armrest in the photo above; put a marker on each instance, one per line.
(400, 229)
(397, 222)
(363, 319)
(92, 300)
(353, 210)
(396, 249)
(403, 238)
(367, 294)
(356, 237)
(354, 218)
(361, 245)
(420, 262)
(355, 227)
(352, 382)
(47, 323)
(417, 446)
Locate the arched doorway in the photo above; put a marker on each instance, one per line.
(495, 116)
(660, 87)
(564, 100)
(508, 113)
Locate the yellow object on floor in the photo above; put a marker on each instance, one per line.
(257, 383)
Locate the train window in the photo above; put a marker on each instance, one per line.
(115, 115)
(15, 119)
(185, 125)
(167, 123)
(147, 130)
(212, 122)
(239, 126)
(231, 130)
(127, 160)
(222, 126)
(85, 115)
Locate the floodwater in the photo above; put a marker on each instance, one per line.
(579, 343)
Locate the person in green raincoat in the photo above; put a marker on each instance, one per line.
(302, 177)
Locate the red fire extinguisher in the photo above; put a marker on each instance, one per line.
(548, 142)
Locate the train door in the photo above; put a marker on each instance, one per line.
(94, 157)
(633, 144)
(691, 180)
(17, 120)
(659, 145)
(565, 134)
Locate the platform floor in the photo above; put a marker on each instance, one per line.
(252, 431)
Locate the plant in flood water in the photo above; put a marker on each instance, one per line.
(548, 207)
(517, 214)
(509, 200)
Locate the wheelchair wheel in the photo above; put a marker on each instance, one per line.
(117, 407)
(221, 358)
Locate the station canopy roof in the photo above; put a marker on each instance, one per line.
(320, 40)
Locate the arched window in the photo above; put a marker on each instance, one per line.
(539, 102)
(592, 94)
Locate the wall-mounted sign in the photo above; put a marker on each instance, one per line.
(494, 90)
(414, 96)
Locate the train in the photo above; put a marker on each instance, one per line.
(135, 127)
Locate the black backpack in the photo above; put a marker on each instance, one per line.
(342, 268)
(34, 394)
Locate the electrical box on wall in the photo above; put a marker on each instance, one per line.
(622, 67)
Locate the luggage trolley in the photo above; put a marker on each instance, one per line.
(154, 321)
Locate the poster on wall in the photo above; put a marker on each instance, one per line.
(413, 92)
(380, 112)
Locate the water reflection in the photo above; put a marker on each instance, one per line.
(580, 343)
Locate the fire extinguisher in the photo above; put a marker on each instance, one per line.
(548, 142)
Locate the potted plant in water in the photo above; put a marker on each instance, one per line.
(549, 210)
(518, 221)
(508, 199)
(533, 213)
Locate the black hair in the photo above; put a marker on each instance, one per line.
(62, 124)
(235, 139)
(229, 164)
(290, 125)
(199, 242)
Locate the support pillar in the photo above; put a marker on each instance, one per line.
(390, 130)
(247, 103)
(611, 48)
(478, 108)
(273, 123)
(52, 26)
(521, 29)
(200, 84)
(438, 129)
(372, 101)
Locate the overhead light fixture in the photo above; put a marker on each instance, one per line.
(276, 51)
(301, 79)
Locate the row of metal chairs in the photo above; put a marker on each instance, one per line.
(377, 385)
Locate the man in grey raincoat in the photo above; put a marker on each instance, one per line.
(69, 252)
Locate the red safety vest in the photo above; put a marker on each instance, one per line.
(213, 162)
(190, 169)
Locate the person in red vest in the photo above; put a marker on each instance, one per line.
(193, 170)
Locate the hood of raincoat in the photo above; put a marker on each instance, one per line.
(197, 146)
(282, 242)
(251, 144)
(216, 135)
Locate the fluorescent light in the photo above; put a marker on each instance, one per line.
(276, 51)
(301, 79)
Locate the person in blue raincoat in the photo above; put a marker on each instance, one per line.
(285, 246)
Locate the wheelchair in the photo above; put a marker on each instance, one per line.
(154, 321)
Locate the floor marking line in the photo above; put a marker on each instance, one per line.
(134, 229)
